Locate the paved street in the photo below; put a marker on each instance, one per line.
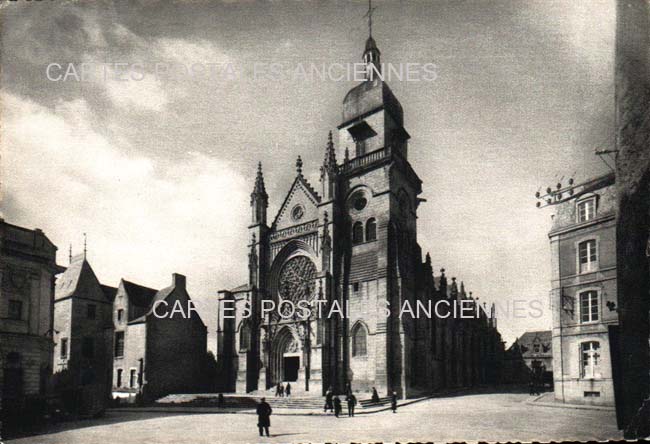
(489, 417)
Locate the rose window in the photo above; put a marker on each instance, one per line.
(297, 281)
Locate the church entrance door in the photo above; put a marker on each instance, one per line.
(291, 367)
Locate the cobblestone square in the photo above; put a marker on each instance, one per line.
(482, 417)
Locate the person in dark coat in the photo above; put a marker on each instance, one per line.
(393, 402)
(264, 417)
(352, 401)
(288, 390)
(220, 400)
(328, 400)
(277, 389)
(375, 396)
(281, 391)
(337, 406)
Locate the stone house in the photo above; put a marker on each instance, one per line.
(159, 346)
(83, 326)
(27, 270)
(584, 291)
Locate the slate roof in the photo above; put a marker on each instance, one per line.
(67, 282)
(139, 295)
(526, 342)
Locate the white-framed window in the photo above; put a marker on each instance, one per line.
(586, 209)
(590, 360)
(589, 306)
(587, 256)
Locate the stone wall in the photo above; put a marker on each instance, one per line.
(633, 189)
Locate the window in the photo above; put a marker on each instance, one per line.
(357, 233)
(15, 310)
(590, 359)
(587, 256)
(132, 378)
(592, 394)
(244, 337)
(118, 383)
(355, 287)
(586, 209)
(91, 311)
(320, 332)
(589, 306)
(536, 348)
(119, 344)
(359, 340)
(88, 347)
(64, 348)
(371, 229)
(120, 315)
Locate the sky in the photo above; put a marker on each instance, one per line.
(157, 170)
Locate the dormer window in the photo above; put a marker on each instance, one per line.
(586, 209)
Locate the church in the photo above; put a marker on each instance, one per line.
(351, 241)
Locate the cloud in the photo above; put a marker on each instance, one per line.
(144, 220)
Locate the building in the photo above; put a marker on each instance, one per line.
(583, 295)
(159, 345)
(531, 355)
(83, 326)
(352, 244)
(27, 270)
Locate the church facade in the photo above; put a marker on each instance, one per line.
(351, 247)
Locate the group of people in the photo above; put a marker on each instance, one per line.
(281, 390)
(332, 403)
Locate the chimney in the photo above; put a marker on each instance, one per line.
(178, 281)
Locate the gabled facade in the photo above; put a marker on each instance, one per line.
(157, 350)
(83, 328)
(351, 244)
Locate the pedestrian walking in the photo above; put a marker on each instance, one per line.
(281, 391)
(375, 396)
(220, 400)
(393, 402)
(277, 389)
(337, 406)
(288, 390)
(328, 400)
(264, 417)
(352, 401)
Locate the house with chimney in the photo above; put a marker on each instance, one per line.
(158, 348)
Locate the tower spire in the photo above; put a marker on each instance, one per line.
(371, 54)
(259, 198)
(329, 169)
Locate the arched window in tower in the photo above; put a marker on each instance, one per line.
(359, 340)
(371, 229)
(244, 337)
(357, 233)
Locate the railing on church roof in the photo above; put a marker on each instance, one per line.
(366, 159)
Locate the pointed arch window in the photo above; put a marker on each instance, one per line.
(357, 233)
(359, 340)
(371, 229)
(244, 337)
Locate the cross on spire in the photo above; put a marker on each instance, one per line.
(369, 15)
